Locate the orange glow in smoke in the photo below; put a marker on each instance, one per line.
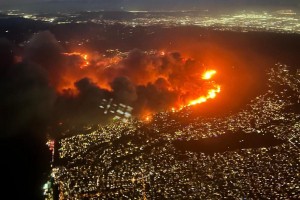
(208, 74)
(103, 69)
(147, 117)
(83, 56)
(89, 66)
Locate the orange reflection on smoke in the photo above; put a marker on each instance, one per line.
(84, 65)
(83, 56)
(166, 73)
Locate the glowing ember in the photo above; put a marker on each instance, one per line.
(162, 53)
(147, 118)
(208, 74)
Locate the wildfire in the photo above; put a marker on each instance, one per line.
(84, 57)
(93, 66)
(208, 74)
(147, 118)
(212, 93)
(162, 53)
(162, 74)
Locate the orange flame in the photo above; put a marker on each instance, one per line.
(162, 53)
(208, 74)
(102, 69)
(212, 93)
(83, 56)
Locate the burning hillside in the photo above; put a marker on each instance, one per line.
(170, 79)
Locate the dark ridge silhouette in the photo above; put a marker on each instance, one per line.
(228, 142)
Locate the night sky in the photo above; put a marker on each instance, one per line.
(147, 4)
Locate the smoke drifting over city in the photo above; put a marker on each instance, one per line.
(150, 73)
(71, 85)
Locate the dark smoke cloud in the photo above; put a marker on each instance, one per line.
(156, 81)
(83, 108)
(124, 90)
(44, 50)
(149, 82)
(6, 55)
(26, 98)
(154, 97)
(26, 106)
(139, 67)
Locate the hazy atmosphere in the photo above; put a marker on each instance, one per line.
(156, 99)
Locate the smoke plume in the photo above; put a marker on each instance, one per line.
(51, 82)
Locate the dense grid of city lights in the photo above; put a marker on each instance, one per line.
(139, 160)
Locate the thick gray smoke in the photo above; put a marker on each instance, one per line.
(147, 82)
(26, 98)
